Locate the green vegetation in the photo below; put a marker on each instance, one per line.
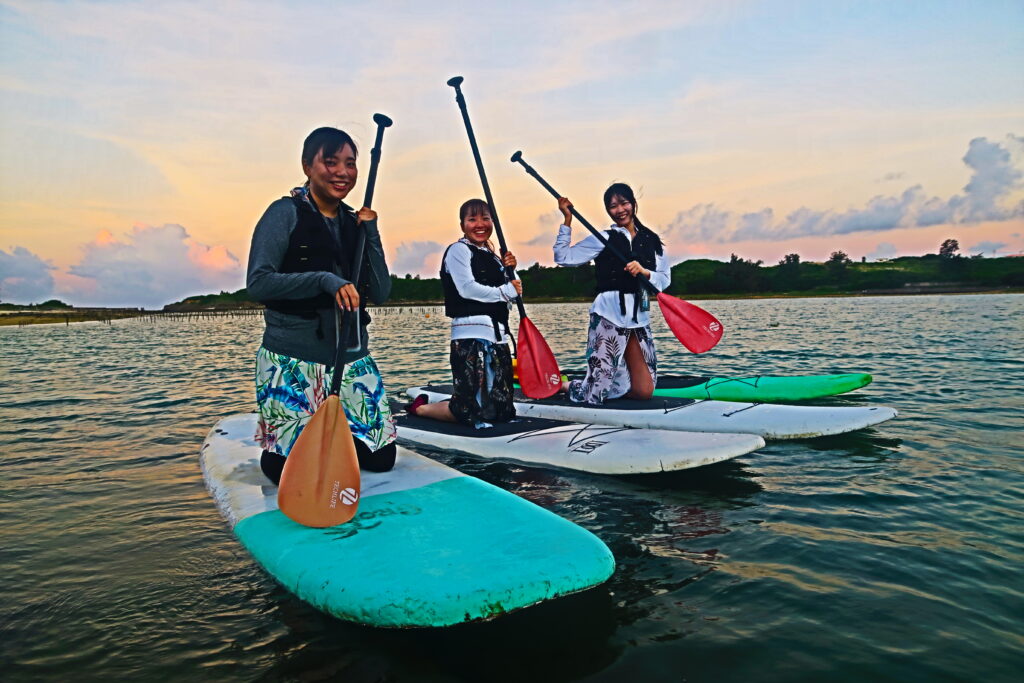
(738, 277)
(51, 305)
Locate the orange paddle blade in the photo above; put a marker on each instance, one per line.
(697, 329)
(539, 376)
(320, 482)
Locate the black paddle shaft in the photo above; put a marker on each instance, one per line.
(456, 83)
(360, 245)
(518, 158)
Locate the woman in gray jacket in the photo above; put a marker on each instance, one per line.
(301, 265)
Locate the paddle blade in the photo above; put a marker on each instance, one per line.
(539, 376)
(697, 329)
(320, 482)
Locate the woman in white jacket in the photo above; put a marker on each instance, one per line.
(621, 357)
(477, 295)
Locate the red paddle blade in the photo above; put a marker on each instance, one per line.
(320, 482)
(539, 376)
(697, 329)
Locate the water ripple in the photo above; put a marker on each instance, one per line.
(888, 554)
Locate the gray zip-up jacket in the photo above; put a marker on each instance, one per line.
(311, 340)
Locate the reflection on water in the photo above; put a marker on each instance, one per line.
(889, 553)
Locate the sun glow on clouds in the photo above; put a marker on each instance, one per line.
(151, 266)
(996, 176)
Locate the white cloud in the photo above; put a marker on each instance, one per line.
(24, 277)
(547, 224)
(987, 247)
(410, 257)
(895, 175)
(995, 175)
(884, 250)
(153, 266)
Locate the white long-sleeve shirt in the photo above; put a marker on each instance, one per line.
(457, 264)
(606, 304)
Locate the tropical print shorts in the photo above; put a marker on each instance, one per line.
(607, 373)
(289, 390)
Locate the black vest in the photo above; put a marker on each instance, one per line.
(487, 270)
(609, 268)
(312, 247)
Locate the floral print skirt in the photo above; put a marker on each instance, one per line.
(607, 373)
(482, 381)
(289, 390)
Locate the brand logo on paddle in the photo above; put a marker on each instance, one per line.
(554, 379)
(349, 496)
(714, 327)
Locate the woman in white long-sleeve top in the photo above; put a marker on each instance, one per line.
(476, 298)
(621, 358)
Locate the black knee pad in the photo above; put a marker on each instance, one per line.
(272, 464)
(376, 461)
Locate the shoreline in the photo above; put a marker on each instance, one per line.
(67, 316)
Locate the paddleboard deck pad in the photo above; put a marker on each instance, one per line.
(770, 421)
(599, 449)
(429, 546)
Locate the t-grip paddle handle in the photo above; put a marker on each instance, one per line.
(456, 82)
(518, 158)
(382, 122)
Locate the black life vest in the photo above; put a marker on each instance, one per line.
(609, 268)
(313, 247)
(487, 270)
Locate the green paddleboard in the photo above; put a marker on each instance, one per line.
(760, 388)
(755, 388)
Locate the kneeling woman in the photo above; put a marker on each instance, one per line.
(301, 266)
(476, 298)
(621, 359)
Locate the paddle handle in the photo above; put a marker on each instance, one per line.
(456, 83)
(371, 182)
(382, 122)
(518, 158)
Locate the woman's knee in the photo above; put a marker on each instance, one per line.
(641, 393)
(381, 460)
(272, 465)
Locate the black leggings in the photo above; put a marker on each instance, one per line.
(373, 461)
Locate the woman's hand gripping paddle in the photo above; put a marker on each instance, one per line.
(320, 484)
(694, 327)
(539, 376)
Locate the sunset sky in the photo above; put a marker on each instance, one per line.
(141, 141)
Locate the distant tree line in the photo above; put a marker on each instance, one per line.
(791, 275)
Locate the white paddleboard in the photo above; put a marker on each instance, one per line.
(584, 447)
(429, 546)
(767, 420)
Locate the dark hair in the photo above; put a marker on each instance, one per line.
(626, 192)
(473, 207)
(330, 140)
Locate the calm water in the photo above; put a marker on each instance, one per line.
(890, 554)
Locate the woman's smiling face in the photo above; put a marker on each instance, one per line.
(333, 177)
(621, 210)
(478, 227)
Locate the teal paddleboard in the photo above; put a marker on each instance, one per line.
(429, 546)
(760, 388)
